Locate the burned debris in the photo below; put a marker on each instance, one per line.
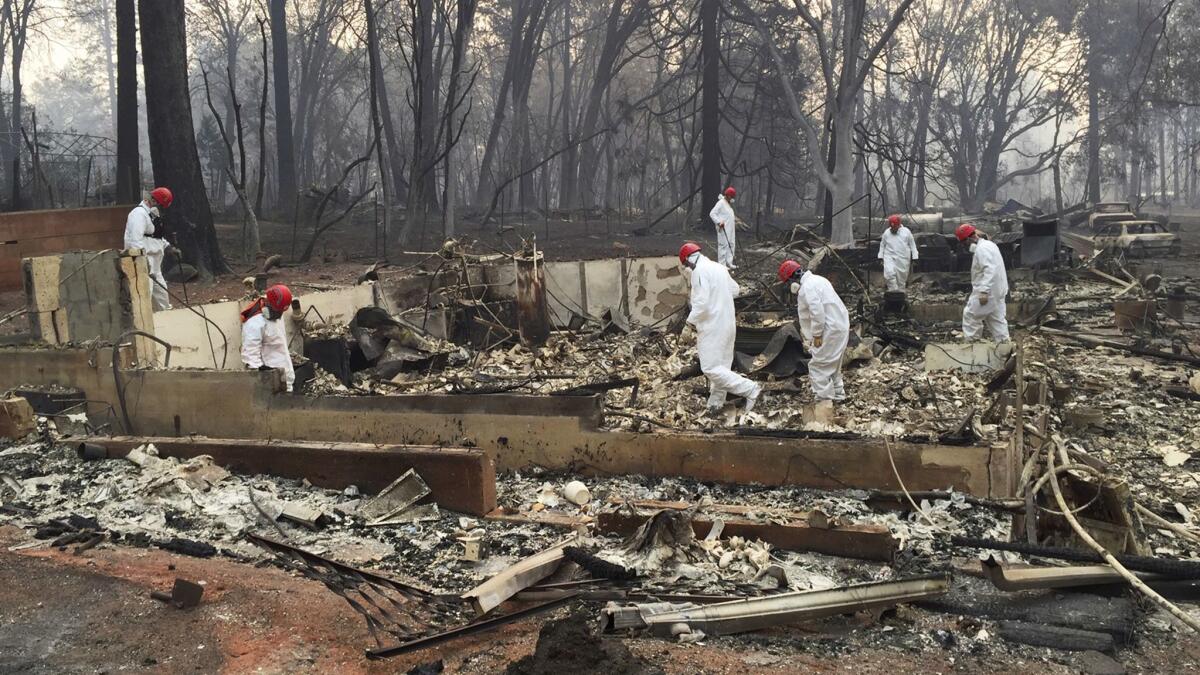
(483, 440)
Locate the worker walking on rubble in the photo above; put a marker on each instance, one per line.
(139, 233)
(726, 222)
(264, 336)
(897, 250)
(989, 287)
(825, 324)
(715, 323)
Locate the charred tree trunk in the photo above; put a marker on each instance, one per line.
(1092, 64)
(376, 123)
(129, 170)
(172, 141)
(285, 149)
(262, 120)
(422, 191)
(570, 160)
(17, 17)
(462, 35)
(710, 124)
(395, 156)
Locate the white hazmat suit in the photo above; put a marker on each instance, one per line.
(265, 343)
(897, 250)
(139, 233)
(987, 278)
(823, 315)
(722, 216)
(716, 328)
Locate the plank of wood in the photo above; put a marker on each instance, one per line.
(861, 541)
(490, 594)
(461, 479)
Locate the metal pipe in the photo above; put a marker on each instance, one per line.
(757, 613)
(116, 367)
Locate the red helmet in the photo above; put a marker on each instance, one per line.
(964, 230)
(162, 196)
(730, 193)
(279, 298)
(687, 250)
(788, 269)
(894, 219)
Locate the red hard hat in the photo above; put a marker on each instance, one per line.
(279, 298)
(788, 269)
(964, 230)
(162, 196)
(894, 219)
(730, 193)
(687, 250)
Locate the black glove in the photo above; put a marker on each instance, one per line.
(265, 368)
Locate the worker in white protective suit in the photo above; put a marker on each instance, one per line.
(715, 323)
(989, 288)
(825, 325)
(139, 234)
(722, 216)
(897, 250)
(264, 335)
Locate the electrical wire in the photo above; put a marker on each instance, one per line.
(224, 338)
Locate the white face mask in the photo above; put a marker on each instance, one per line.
(971, 248)
(155, 212)
(795, 288)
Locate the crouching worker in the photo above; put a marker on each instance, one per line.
(825, 324)
(264, 336)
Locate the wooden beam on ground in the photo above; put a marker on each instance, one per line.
(461, 479)
(862, 541)
(525, 573)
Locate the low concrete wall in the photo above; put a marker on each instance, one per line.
(521, 432)
(190, 334)
(647, 289)
(28, 234)
(931, 312)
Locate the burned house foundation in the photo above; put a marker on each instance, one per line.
(489, 438)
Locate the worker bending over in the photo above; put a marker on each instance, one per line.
(722, 216)
(825, 325)
(716, 327)
(139, 234)
(264, 336)
(989, 288)
(897, 250)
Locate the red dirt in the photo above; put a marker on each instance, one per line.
(92, 612)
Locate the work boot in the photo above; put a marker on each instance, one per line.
(752, 398)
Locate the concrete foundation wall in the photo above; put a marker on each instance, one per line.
(190, 334)
(521, 432)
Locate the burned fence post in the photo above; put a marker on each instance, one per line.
(533, 320)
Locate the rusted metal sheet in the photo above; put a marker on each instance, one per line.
(460, 479)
